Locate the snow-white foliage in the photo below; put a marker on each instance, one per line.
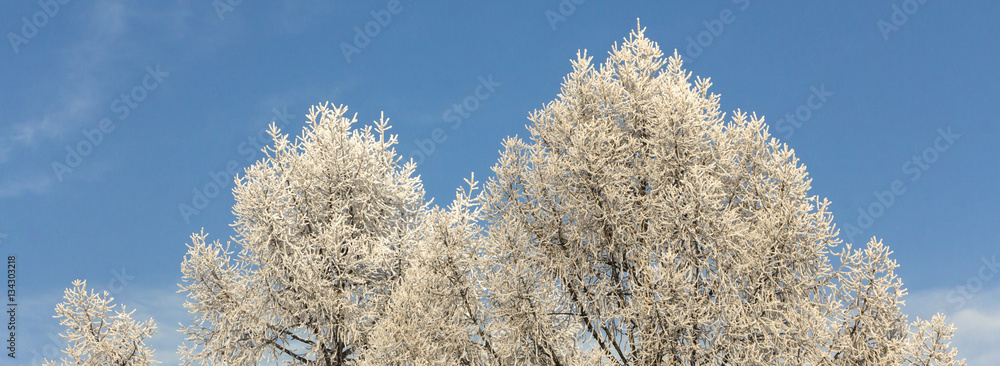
(97, 338)
(638, 226)
(436, 316)
(322, 224)
(870, 326)
(930, 346)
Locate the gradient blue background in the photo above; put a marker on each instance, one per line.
(118, 210)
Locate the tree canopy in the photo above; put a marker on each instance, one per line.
(639, 225)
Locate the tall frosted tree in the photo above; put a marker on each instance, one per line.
(640, 226)
(95, 336)
(322, 224)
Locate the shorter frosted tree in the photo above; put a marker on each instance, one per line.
(322, 223)
(930, 344)
(871, 327)
(94, 337)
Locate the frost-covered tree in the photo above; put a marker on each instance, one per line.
(870, 327)
(930, 345)
(95, 336)
(322, 225)
(639, 226)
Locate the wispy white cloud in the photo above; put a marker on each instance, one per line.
(76, 90)
(74, 87)
(72, 95)
(14, 187)
(978, 335)
(56, 121)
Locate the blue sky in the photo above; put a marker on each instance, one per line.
(160, 100)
